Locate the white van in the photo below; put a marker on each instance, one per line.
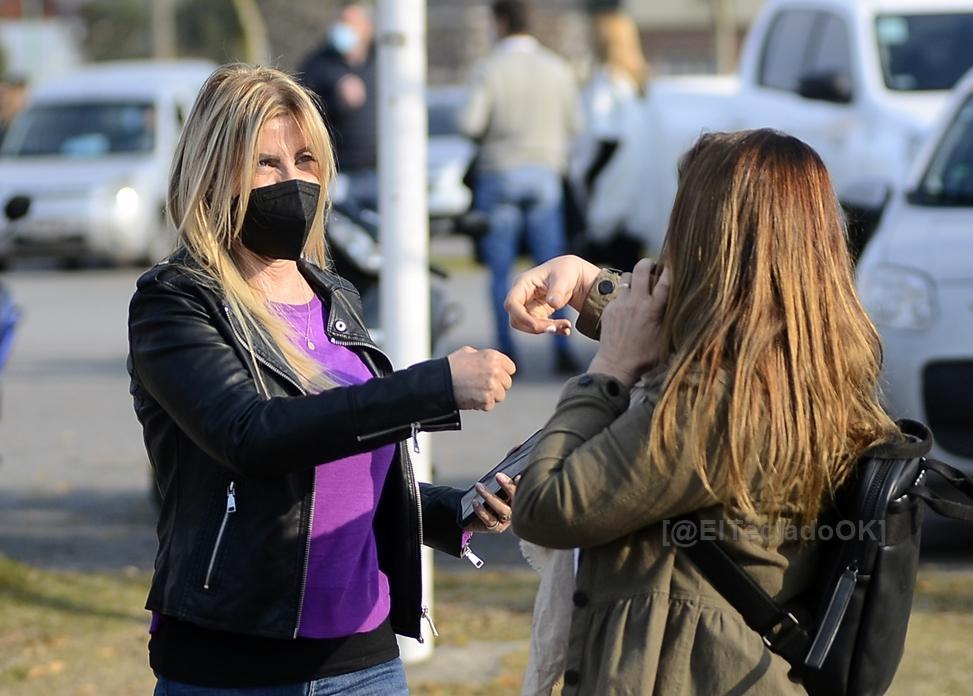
(84, 167)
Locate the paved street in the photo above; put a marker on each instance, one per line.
(74, 476)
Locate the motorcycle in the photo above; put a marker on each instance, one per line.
(352, 240)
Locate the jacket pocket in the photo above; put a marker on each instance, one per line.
(220, 535)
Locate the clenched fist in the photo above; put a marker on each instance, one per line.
(481, 378)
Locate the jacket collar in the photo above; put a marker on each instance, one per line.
(345, 325)
(344, 322)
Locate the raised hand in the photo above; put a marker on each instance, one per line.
(481, 378)
(538, 293)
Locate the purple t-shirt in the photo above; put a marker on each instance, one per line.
(345, 591)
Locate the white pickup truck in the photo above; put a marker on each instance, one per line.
(861, 81)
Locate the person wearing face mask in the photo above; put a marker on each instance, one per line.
(342, 72)
(290, 519)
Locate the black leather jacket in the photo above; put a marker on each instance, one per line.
(236, 468)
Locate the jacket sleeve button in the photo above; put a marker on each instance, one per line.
(580, 599)
(572, 677)
(606, 287)
(613, 388)
(584, 380)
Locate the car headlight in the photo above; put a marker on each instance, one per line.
(898, 298)
(126, 203)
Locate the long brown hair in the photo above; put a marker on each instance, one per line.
(767, 341)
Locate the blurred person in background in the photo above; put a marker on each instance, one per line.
(13, 96)
(342, 72)
(290, 520)
(611, 158)
(522, 111)
(741, 386)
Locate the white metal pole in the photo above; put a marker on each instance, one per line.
(404, 230)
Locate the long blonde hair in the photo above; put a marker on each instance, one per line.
(209, 189)
(763, 305)
(619, 47)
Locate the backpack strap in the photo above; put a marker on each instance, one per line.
(959, 481)
(778, 628)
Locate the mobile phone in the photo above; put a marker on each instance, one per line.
(512, 464)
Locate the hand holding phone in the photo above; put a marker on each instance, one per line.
(510, 466)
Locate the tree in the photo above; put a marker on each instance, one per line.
(209, 29)
(119, 29)
(116, 29)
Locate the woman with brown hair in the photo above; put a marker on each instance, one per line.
(740, 384)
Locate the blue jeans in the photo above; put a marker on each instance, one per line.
(523, 200)
(386, 679)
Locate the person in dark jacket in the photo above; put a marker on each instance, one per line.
(290, 521)
(342, 72)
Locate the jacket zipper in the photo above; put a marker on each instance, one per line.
(414, 430)
(468, 554)
(432, 627)
(230, 509)
(416, 546)
(307, 557)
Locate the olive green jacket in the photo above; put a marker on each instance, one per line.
(644, 621)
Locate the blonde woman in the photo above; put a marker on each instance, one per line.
(740, 384)
(290, 522)
(611, 155)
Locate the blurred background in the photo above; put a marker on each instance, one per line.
(41, 37)
(92, 97)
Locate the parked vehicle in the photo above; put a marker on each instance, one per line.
(916, 282)
(83, 168)
(860, 80)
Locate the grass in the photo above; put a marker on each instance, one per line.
(72, 633)
(937, 651)
(85, 633)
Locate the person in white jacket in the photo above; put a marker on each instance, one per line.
(611, 156)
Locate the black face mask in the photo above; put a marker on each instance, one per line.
(278, 218)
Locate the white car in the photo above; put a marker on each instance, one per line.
(915, 279)
(860, 81)
(84, 167)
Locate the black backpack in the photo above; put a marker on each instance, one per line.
(846, 633)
